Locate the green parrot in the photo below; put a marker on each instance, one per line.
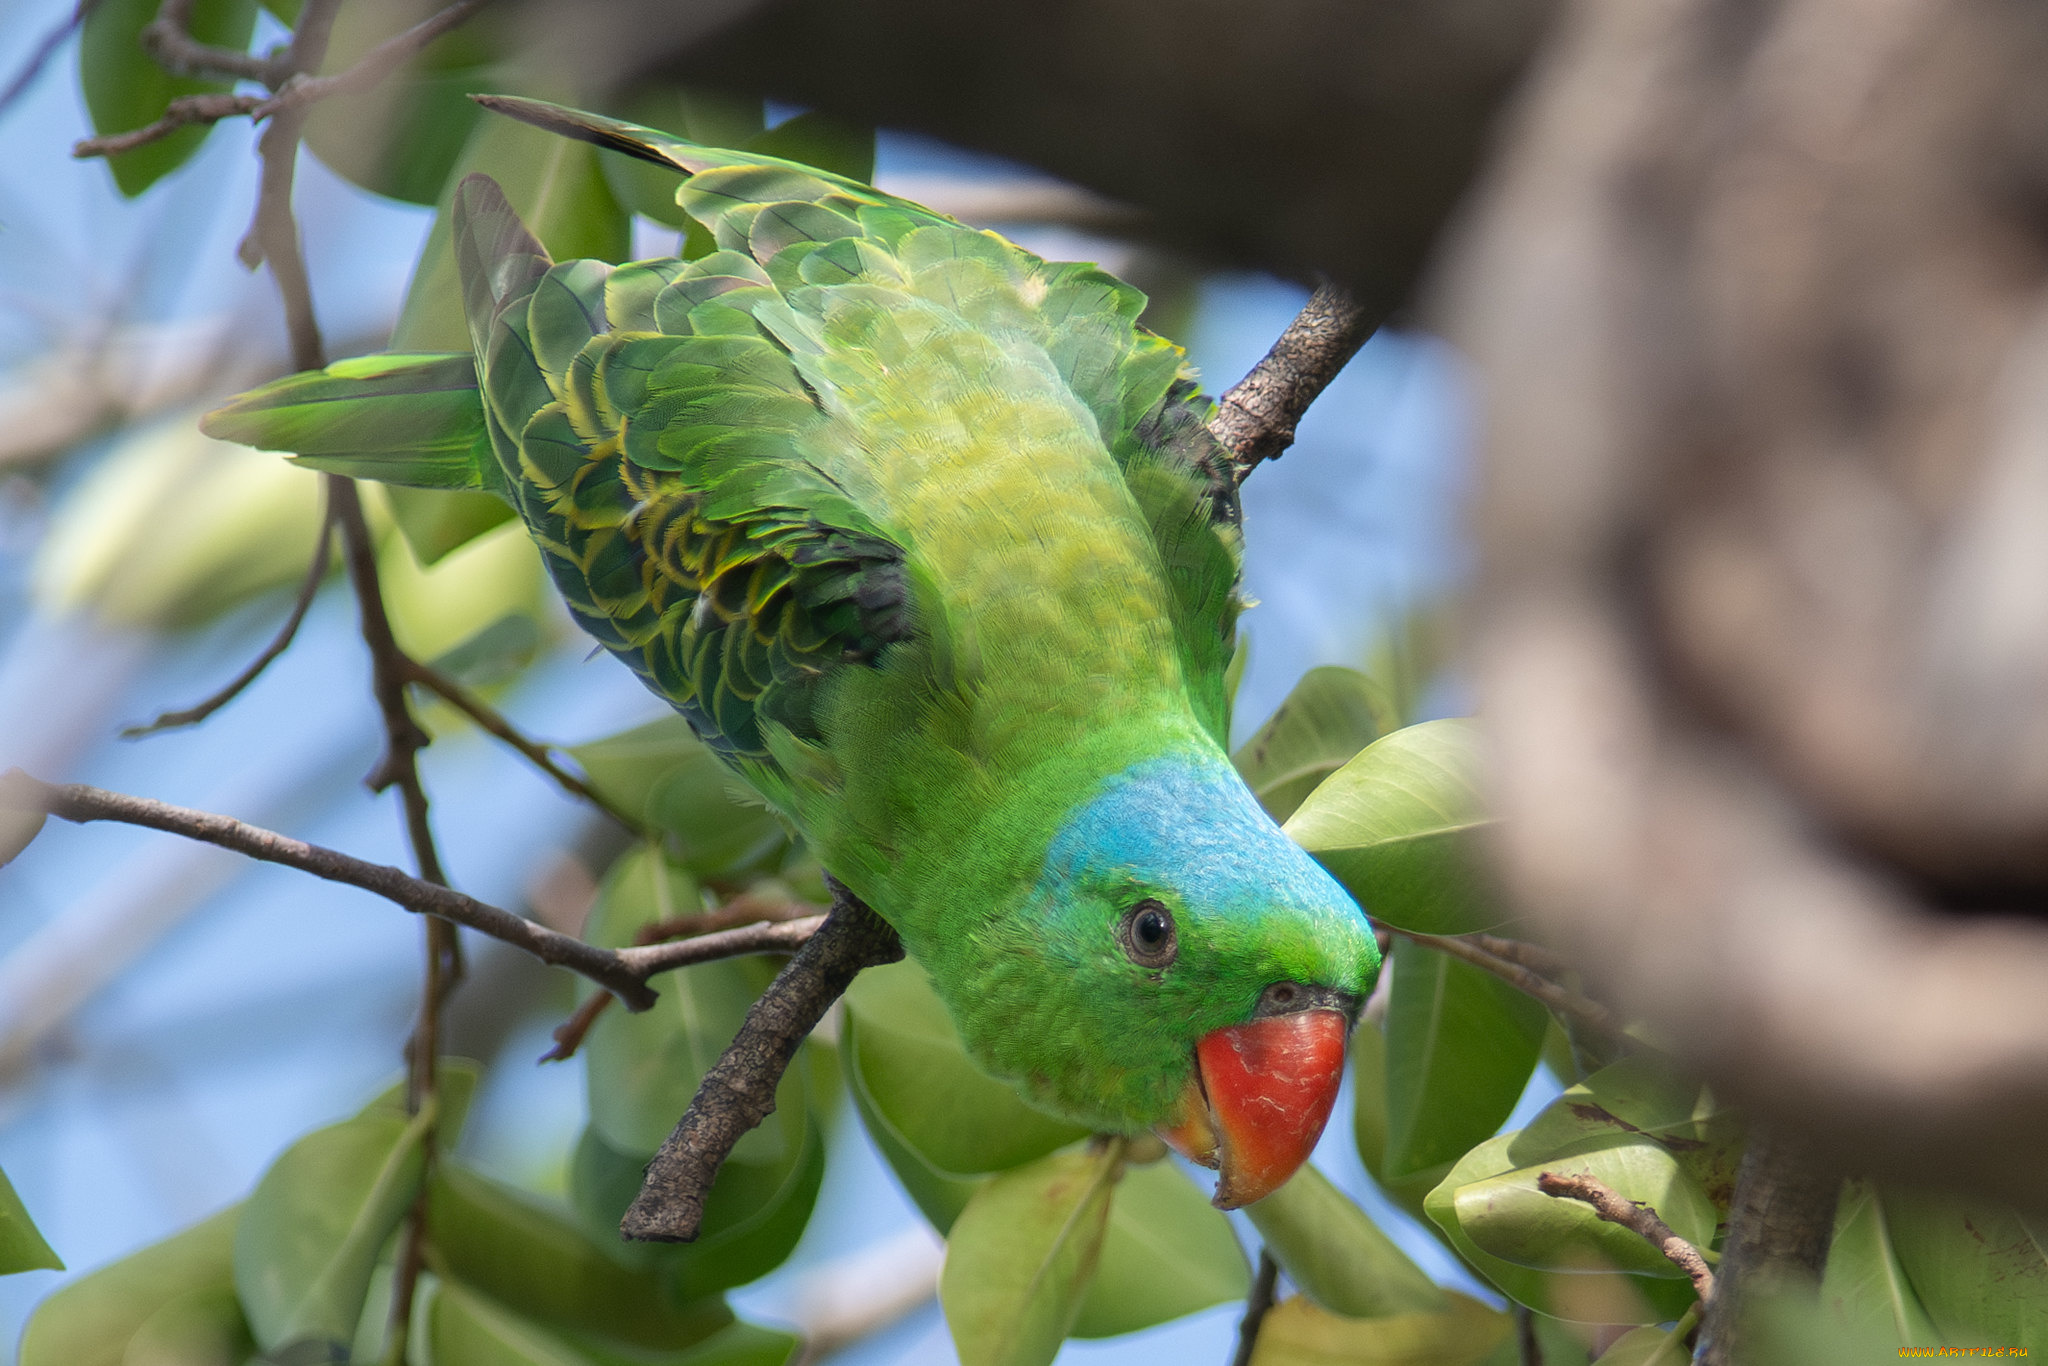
(927, 539)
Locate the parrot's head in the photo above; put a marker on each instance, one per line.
(1178, 964)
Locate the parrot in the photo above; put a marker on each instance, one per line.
(926, 538)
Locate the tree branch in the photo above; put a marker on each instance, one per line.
(1638, 1218)
(182, 112)
(374, 66)
(1256, 417)
(1498, 956)
(39, 60)
(1780, 1223)
(168, 40)
(1264, 1284)
(309, 588)
(744, 909)
(739, 1090)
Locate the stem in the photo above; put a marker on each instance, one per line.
(1255, 419)
(1255, 1306)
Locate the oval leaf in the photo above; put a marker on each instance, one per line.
(90, 1321)
(517, 1249)
(1331, 715)
(1865, 1281)
(1398, 826)
(1021, 1256)
(311, 1232)
(667, 776)
(474, 1330)
(199, 1328)
(125, 89)
(1509, 1217)
(937, 1195)
(1333, 1251)
(1461, 1045)
(1297, 1332)
(918, 1079)
(1981, 1270)
(1168, 1252)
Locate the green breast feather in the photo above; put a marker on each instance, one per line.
(883, 504)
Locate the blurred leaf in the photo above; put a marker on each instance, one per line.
(938, 1196)
(1648, 1346)
(455, 1081)
(1369, 1098)
(199, 1328)
(1787, 1326)
(402, 137)
(439, 611)
(520, 1250)
(1461, 1045)
(125, 89)
(1980, 1269)
(1398, 827)
(1509, 1217)
(642, 1070)
(468, 1329)
(436, 521)
(1864, 1281)
(918, 1078)
(819, 139)
(1331, 715)
(18, 830)
(313, 1229)
(1021, 1255)
(1409, 654)
(560, 194)
(666, 775)
(21, 1246)
(710, 117)
(90, 1321)
(172, 528)
(1643, 1096)
(1297, 1332)
(1336, 1255)
(1167, 1252)
(753, 1217)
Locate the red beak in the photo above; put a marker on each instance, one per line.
(1262, 1093)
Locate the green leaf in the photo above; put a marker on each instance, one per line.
(1647, 1346)
(642, 1070)
(1643, 1096)
(21, 1245)
(402, 137)
(1297, 1332)
(468, 1329)
(753, 1217)
(312, 1231)
(1865, 1281)
(1509, 1217)
(1330, 716)
(436, 521)
(1980, 1269)
(1788, 1326)
(937, 1195)
(1021, 1255)
(442, 611)
(1461, 1045)
(1399, 826)
(199, 1328)
(1336, 1255)
(555, 185)
(90, 1321)
(520, 1250)
(455, 1081)
(125, 89)
(1168, 1252)
(910, 1065)
(664, 774)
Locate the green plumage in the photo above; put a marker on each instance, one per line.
(924, 534)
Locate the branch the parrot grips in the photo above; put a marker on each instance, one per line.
(1261, 1094)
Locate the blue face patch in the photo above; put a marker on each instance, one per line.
(1187, 821)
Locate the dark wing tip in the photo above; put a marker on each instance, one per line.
(574, 123)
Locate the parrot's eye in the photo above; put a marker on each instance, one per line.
(1147, 935)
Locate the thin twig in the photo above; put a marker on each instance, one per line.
(39, 60)
(169, 42)
(745, 909)
(489, 719)
(739, 1090)
(1638, 1218)
(1560, 999)
(1255, 1306)
(1536, 958)
(309, 588)
(374, 66)
(1255, 419)
(1529, 1348)
(183, 112)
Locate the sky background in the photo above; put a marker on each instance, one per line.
(215, 1010)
